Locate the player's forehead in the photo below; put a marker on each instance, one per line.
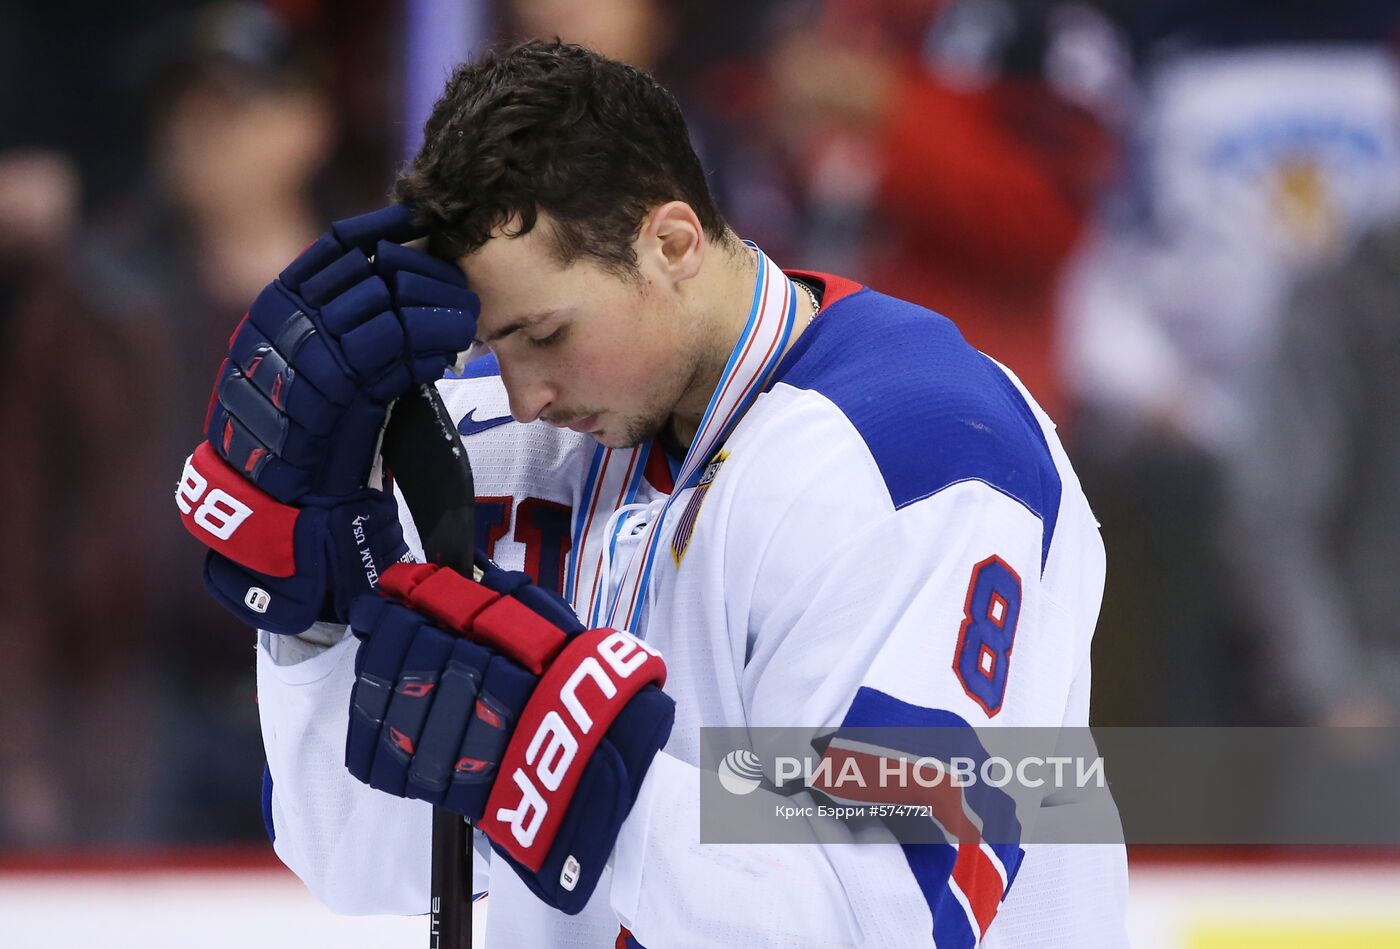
(510, 261)
(518, 276)
(514, 276)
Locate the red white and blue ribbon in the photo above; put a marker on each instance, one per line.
(614, 480)
(615, 476)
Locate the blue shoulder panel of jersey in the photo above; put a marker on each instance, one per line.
(932, 410)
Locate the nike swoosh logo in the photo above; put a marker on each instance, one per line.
(471, 426)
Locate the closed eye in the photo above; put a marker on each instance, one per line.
(549, 340)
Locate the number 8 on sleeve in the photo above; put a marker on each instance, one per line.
(983, 656)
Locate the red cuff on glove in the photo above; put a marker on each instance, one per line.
(229, 514)
(500, 623)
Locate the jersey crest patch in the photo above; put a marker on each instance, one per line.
(680, 540)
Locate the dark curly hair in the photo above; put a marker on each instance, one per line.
(549, 126)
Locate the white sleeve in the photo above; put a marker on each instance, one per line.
(357, 850)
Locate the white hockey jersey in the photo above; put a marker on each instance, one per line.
(820, 573)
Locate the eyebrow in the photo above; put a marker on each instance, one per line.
(518, 324)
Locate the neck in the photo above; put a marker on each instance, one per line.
(724, 296)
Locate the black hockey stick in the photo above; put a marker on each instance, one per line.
(424, 452)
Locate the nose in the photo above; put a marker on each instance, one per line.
(528, 397)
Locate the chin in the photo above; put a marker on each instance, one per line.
(627, 433)
(612, 440)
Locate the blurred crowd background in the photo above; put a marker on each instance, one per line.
(1178, 221)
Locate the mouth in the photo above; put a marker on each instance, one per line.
(584, 425)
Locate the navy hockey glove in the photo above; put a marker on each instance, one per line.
(297, 408)
(536, 730)
(280, 567)
(299, 403)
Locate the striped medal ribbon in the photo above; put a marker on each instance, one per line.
(615, 475)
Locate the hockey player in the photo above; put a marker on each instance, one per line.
(803, 503)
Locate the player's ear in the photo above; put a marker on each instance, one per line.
(672, 241)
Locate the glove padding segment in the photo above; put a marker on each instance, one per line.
(282, 568)
(352, 324)
(446, 708)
